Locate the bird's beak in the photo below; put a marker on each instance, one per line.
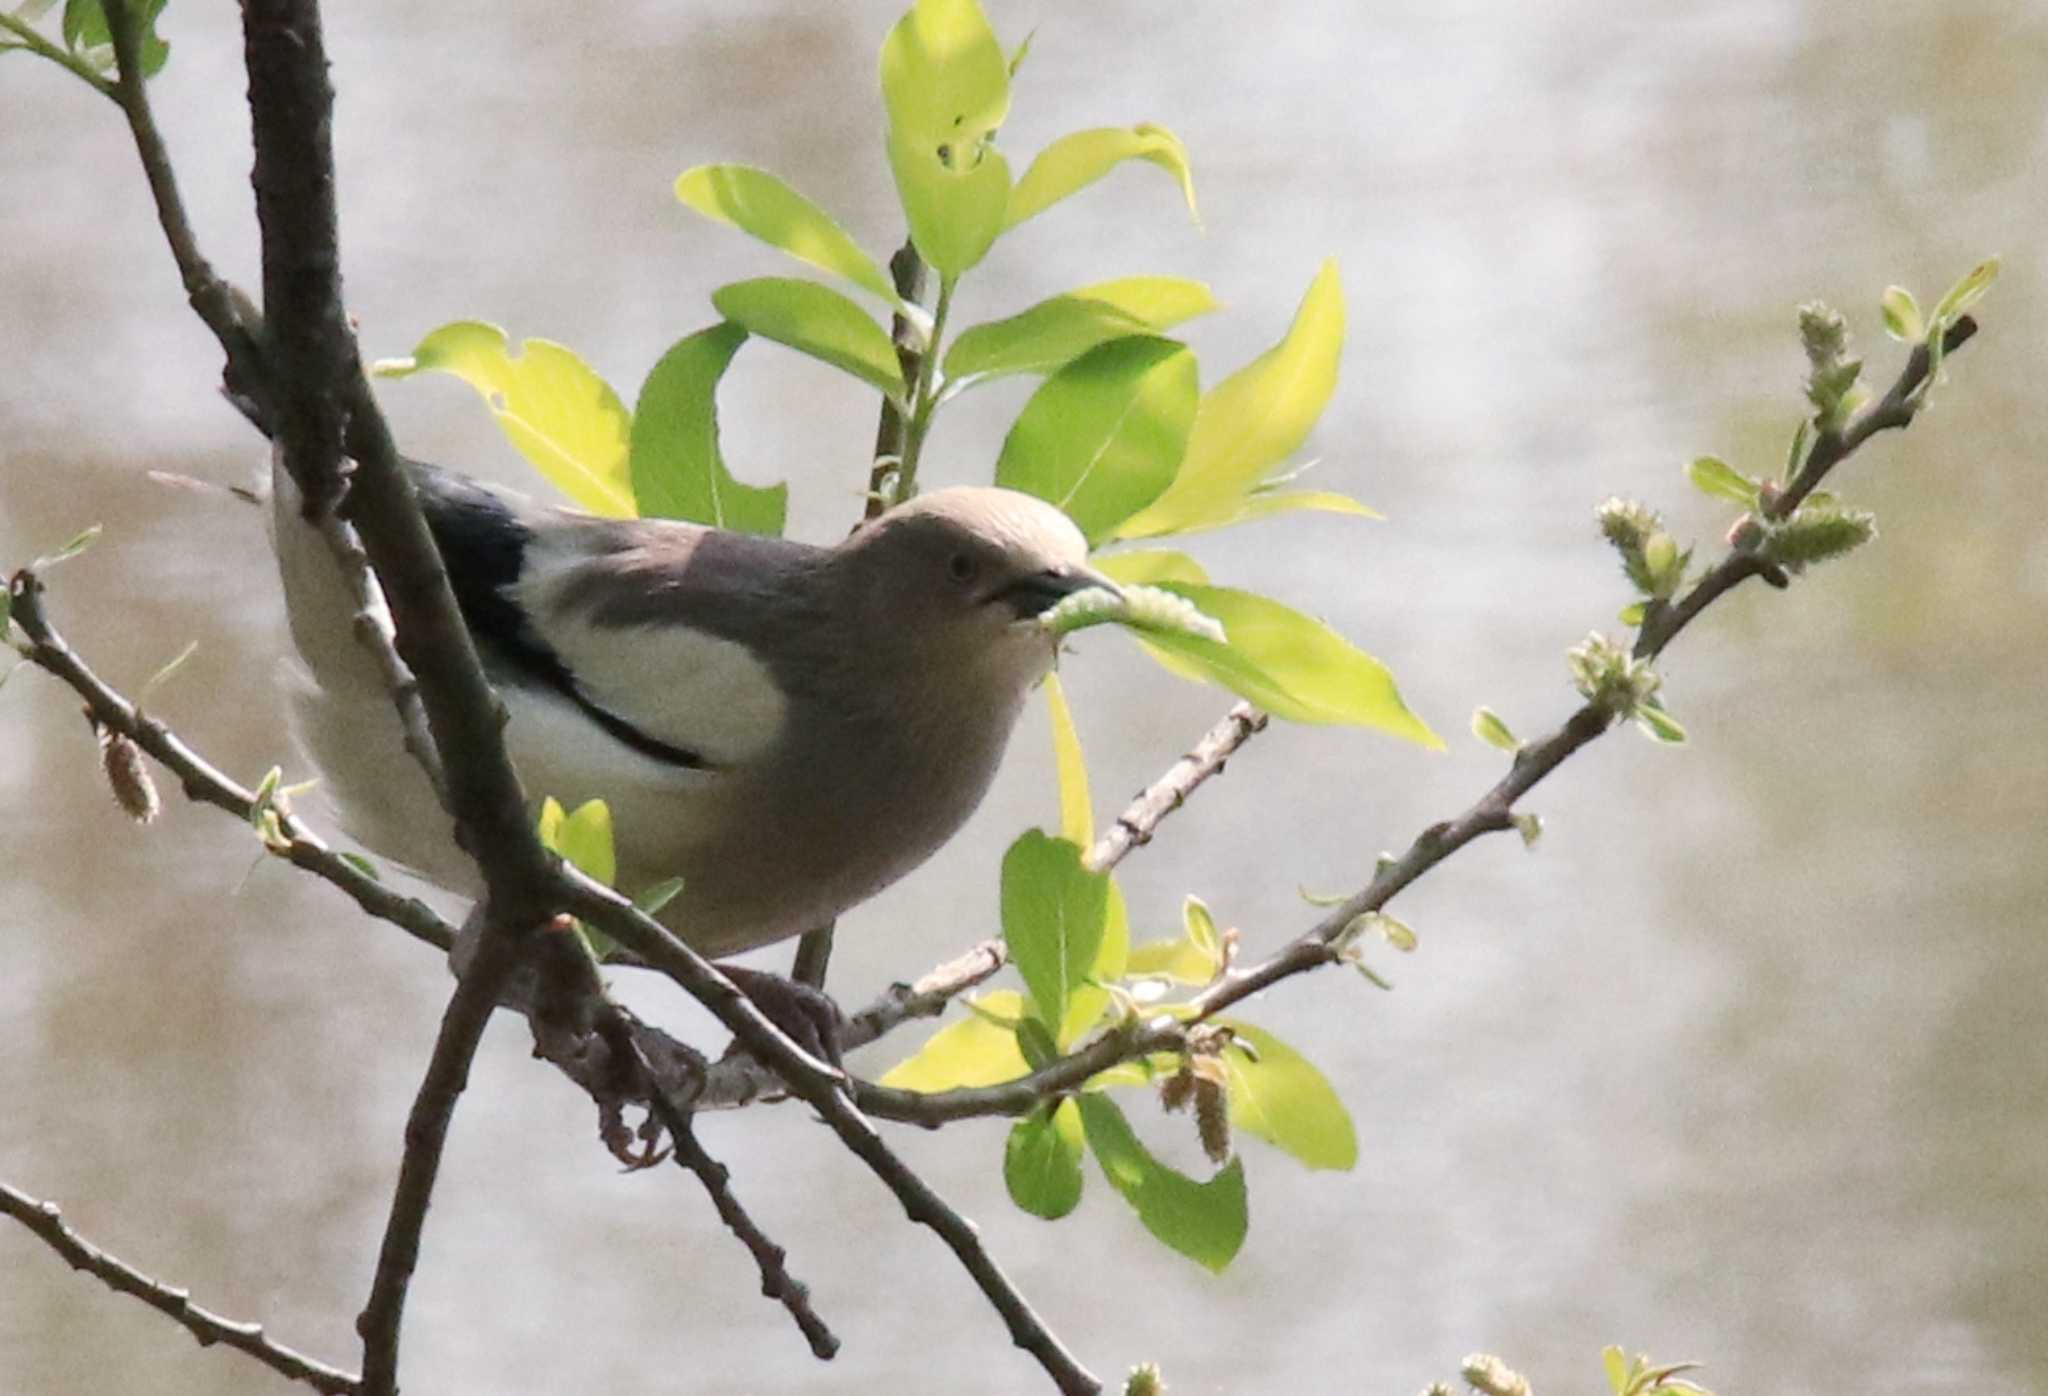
(1041, 591)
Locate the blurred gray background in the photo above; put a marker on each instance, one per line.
(1745, 1063)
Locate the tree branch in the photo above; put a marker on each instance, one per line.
(892, 433)
(206, 784)
(1141, 819)
(1493, 812)
(44, 1219)
(618, 1030)
(824, 1089)
(426, 1135)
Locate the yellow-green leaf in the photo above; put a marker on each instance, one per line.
(1180, 960)
(1292, 665)
(583, 837)
(1077, 819)
(946, 86)
(1160, 301)
(550, 404)
(678, 470)
(1279, 1096)
(1150, 567)
(979, 1050)
(1254, 419)
(758, 203)
(1102, 437)
(1966, 292)
(1204, 1221)
(1057, 331)
(1263, 504)
(1042, 1161)
(814, 320)
(1074, 162)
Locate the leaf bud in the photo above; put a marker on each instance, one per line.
(1145, 1380)
(127, 775)
(1488, 1374)
(1815, 535)
(1212, 1118)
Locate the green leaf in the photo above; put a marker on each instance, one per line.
(1615, 1362)
(1204, 1221)
(1263, 504)
(583, 837)
(1057, 331)
(1102, 437)
(88, 35)
(72, 547)
(1902, 315)
(1160, 301)
(1966, 292)
(1074, 162)
(361, 864)
(1279, 1096)
(550, 404)
(760, 204)
(1114, 954)
(1077, 819)
(1712, 476)
(678, 471)
(652, 899)
(815, 320)
(1054, 914)
(947, 88)
(1181, 961)
(1199, 925)
(1042, 1161)
(1293, 666)
(1254, 419)
(1489, 728)
(1657, 723)
(1150, 567)
(979, 1050)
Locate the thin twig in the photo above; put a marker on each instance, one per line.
(426, 1135)
(892, 433)
(207, 1327)
(616, 1027)
(205, 783)
(739, 1079)
(1141, 818)
(235, 322)
(824, 1089)
(376, 633)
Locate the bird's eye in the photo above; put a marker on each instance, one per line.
(961, 567)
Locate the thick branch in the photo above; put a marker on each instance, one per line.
(208, 1327)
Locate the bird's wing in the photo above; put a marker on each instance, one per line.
(610, 617)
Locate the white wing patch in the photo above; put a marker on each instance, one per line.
(707, 695)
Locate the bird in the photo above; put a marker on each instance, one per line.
(788, 728)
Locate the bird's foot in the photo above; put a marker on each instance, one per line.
(809, 1017)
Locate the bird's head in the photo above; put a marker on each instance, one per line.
(954, 574)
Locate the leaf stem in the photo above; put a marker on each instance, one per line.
(922, 400)
(64, 58)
